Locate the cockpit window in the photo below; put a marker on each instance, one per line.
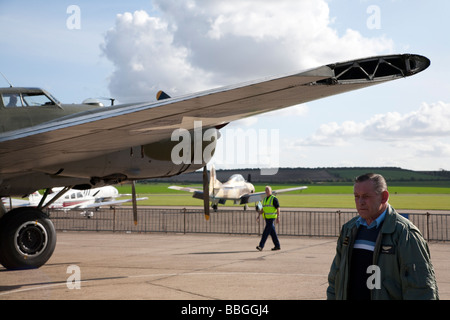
(237, 178)
(36, 100)
(11, 100)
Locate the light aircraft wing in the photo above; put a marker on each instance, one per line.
(106, 130)
(25, 203)
(247, 198)
(15, 202)
(187, 189)
(109, 203)
(198, 193)
(259, 196)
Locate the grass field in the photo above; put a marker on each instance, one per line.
(430, 197)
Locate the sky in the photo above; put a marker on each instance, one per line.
(129, 50)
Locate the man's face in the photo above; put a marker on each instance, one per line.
(368, 203)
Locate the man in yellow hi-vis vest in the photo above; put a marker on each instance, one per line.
(271, 213)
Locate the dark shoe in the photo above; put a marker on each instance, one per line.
(259, 248)
(276, 248)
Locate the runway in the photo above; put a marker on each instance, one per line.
(105, 266)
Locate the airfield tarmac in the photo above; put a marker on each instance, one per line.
(158, 266)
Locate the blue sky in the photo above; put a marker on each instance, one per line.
(129, 50)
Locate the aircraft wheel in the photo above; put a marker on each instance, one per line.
(27, 239)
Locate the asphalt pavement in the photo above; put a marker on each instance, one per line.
(186, 267)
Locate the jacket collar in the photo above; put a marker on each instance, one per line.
(389, 221)
(375, 224)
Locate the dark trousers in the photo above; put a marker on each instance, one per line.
(269, 229)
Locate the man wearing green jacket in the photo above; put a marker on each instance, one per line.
(380, 255)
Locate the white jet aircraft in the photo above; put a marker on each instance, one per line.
(236, 189)
(46, 144)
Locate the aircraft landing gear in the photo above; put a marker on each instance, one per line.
(27, 238)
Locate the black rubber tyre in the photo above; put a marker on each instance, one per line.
(27, 239)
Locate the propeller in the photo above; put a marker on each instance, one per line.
(206, 192)
(133, 198)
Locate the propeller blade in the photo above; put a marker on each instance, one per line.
(133, 198)
(206, 192)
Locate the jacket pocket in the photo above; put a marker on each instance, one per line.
(418, 281)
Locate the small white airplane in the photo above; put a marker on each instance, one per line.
(236, 188)
(73, 199)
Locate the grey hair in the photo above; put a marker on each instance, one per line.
(378, 180)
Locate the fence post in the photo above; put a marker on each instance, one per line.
(428, 226)
(184, 220)
(114, 219)
(339, 221)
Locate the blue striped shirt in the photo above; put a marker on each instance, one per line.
(367, 236)
(362, 257)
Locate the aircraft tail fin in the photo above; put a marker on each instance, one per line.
(161, 95)
(214, 184)
(35, 198)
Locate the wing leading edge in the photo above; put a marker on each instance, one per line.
(86, 135)
(246, 198)
(259, 196)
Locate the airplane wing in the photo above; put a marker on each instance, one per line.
(89, 134)
(198, 193)
(105, 203)
(259, 196)
(25, 203)
(187, 189)
(14, 203)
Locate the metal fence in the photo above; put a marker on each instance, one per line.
(434, 226)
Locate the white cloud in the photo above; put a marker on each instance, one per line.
(146, 59)
(428, 122)
(426, 149)
(196, 45)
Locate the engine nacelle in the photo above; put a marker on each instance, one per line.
(183, 153)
